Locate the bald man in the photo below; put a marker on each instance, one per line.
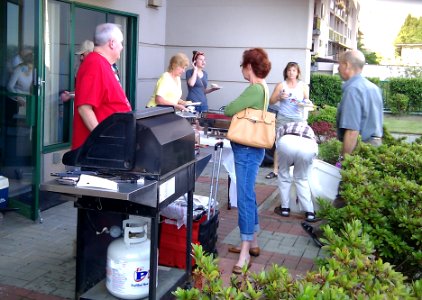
(98, 91)
(360, 111)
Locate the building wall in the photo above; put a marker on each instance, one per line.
(223, 30)
(411, 55)
(343, 25)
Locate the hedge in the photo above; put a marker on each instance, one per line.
(326, 90)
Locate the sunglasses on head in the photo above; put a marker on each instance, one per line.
(197, 53)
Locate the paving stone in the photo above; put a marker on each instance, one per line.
(272, 246)
(37, 257)
(288, 241)
(311, 252)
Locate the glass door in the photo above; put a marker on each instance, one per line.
(66, 27)
(19, 93)
(57, 61)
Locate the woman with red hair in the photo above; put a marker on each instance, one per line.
(255, 67)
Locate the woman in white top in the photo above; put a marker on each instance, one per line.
(291, 96)
(20, 81)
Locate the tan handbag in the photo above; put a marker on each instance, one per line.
(253, 127)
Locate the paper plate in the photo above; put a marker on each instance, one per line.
(193, 104)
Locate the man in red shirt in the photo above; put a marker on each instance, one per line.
(98, 91)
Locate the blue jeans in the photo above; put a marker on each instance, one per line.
(246, 162)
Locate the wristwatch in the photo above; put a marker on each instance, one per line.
(340, 158)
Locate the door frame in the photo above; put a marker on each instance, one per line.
(32, 211)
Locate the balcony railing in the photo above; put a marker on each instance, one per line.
(317, 23)
(337, 37)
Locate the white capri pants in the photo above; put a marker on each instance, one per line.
(300, 152)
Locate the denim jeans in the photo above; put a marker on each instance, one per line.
(247, 161)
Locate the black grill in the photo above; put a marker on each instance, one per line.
(154, 142)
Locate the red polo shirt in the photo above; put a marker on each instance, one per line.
(96, 85)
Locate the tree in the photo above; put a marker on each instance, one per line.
(410, 33)
(371, 58)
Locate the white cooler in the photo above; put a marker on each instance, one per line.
(324, 180)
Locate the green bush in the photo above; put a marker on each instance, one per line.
(325, 113)
(383, 188)
(411, 87)
(398, 103)
(375, 80)
(325, 89)
(348, 271)
(329, 151)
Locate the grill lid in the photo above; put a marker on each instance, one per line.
(153, 141)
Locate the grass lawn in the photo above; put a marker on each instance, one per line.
(403, 124)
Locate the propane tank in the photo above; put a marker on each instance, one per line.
(128, 261)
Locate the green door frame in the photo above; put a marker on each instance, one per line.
(131, 62)
(132, 42)
(130, 87)
(32, 210)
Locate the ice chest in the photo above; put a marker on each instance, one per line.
(172, 243)
(4, 191)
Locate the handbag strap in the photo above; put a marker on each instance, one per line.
(266, 100)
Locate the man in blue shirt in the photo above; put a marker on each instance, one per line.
(360, 112)
(361, 108)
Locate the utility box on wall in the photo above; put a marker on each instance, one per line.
(154, 3)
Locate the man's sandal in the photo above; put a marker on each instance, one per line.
(309, 229)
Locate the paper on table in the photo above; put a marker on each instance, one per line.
(89, 181)
(228, 163)
(190, 103)
(215, 86)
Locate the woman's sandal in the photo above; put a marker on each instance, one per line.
(282, 211)
(271, 175)
(310, 217)
(238, 270)
(254, 251)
